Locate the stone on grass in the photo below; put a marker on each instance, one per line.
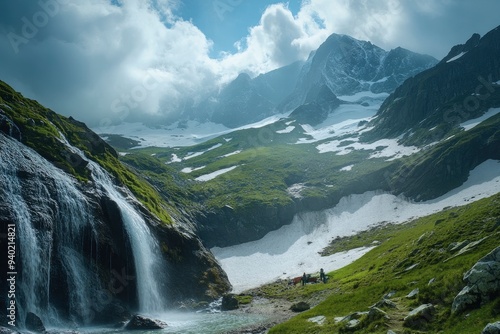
(419, 317)
(300, 307)
(492, 328)
(482, 281)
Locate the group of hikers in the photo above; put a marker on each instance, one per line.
(307, 278)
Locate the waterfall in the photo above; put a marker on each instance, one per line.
(149, 265)
(49, 226)
(51, 216)
(147, 259)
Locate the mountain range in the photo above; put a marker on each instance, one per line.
(342, 65)
(352, 119)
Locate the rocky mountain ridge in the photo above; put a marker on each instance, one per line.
(342, 64)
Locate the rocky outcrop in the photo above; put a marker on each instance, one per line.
(492, 328)
(8, 127)
(139, 322)
(483, 282)
(428, 98)
(420, 317)
(229, 302)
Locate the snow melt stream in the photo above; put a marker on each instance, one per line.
(293, 249)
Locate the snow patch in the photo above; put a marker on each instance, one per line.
(467, 125)
(211, 176)
(230, 154)
(197, 154)
(456, 57)
(174, 158)
(346, 168)
(186, 134)
(188, 170)
(385, 148)
(288, 129)
(293, 249)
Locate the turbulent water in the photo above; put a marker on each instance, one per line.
(52, 216)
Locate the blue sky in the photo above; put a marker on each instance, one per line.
(116, 60)
(227, 21)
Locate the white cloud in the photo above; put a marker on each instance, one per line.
(98, 61)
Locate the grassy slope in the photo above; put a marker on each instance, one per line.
(424, 241)
(40, 129)
(267, 165)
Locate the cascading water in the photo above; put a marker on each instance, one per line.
(150, 267)
(51, 216)
(147, 260)
(49, 225)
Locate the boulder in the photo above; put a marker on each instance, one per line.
(385, 303)
(34, 323)
(229, 302)
(492, 328)
(483, 281)
(413, 294)
(139, 322)
(375, 313)
(319, 320)
(300, 307)
(419, 317)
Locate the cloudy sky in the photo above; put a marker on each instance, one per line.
(105, 61)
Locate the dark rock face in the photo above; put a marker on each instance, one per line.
(483, 282)
(229, 302)
(8, 127)
(441, 93)
(34, 323)
(139, 322)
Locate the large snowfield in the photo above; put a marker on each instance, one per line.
(293, 249)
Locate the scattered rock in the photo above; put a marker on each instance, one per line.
(320, 319)
(432, 280)
(492, 328)
(385, 303)
(375, 313)
(413, 294)
(229, 302)
(300, 307)
(389, 295)
(483, 281)
(413, 266)
(419, 317)
(391, 332)
(456, 246)
(353, 324)
(34, 323)
(470, 246)
(143, 323)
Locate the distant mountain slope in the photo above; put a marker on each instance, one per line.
(342, 64)
(348, 66)
(462, 86)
